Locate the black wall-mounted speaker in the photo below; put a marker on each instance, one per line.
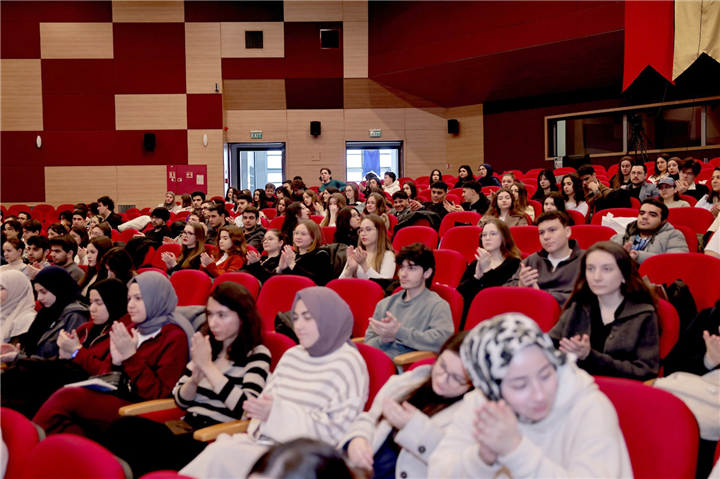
(314, 128)
(149, 142)
(453, 127)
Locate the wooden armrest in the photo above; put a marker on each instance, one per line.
(146, 407)
(650, 382)
(208, 434)
(415, 356)
(358, 340)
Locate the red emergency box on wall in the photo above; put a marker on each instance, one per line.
(183, 179)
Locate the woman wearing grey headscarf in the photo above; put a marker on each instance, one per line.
(316, 390)
(533, 413)
(151, 358)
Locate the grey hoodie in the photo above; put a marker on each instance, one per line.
(665, 240)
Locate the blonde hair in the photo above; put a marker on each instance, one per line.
(383, 241)
(314, 231)
(341, 203)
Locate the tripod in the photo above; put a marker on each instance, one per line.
(638, 140)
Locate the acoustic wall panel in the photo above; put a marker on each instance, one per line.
(253, 68)
(20, 77)
(22, 184)
(304, 57)
(198, 154)
(160, 112)
(355, 11)
(425, 119)
(233, 39)
(202, 74)
(19, 40)
(21, 112)
(76, 40)
(355, 44)
(70, 184)
(78, 77)
(202, 40)
(468, 144)
(147, 11)
(255, 95)
(204, 111)
(78, 112)
(252, 11)
(140, 185)
(170, 147)
(149, 75)
(149, 40)
(309, 11)
(78, 148)
(314, 93)
(299, 120)
(386, 119)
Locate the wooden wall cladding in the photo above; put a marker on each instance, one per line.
(233, 39)
(20, 77)
(307, 154)
(355, 11)
(331, 120)
(424, 151)
(148, 112)
(198, 154)
(241, 122)
(254, 95)
(70, 184)
(76, 40)
(141, 185)
(387, 119)
(147, 11)
(21, 113)
(308, 11)
(355, 46)
(203, 61)
(468, 146)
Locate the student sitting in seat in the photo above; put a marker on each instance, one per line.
(316, 391)
(609, 321)
(416, 319)
(534, 412)
(409, 415)
(95, 252)
(374, 256)
(346, 227)
(229, 254)
(193, 246)
(305, 258)
(228, 365)
(504, 207)
(375, 205)
(265, 267)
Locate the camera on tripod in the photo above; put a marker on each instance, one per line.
(636, 122)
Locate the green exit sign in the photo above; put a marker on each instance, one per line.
(256, 135)
(375, 133)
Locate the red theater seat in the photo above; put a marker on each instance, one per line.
(697, 219)
(461, 217)
(191, 286)
(157, 261)
(464, 239)
(618, 212)
(20, 436)
(362, 295)
(380, 369)
(533, 303)
(415, 234)
(588, 235)
(699, 271)
(526, 238)
(450, 267)
(277, 295)
(249, 281)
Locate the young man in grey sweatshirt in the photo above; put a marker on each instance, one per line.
(415, 319)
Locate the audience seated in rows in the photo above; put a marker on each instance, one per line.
(229, 253)
(504, 207)
(374, 256)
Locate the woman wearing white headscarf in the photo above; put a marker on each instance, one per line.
(534, 413)
(18, 304)
(316, 391)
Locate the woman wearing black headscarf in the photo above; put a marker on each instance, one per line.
(485, 176)
(83, 352)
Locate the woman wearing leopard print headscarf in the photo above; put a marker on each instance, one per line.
(533, 413)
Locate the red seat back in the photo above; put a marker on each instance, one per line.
(697, 219)
(699, 271)
(269, 213)
(454, 299)
(157, 270)
(249, 281)
(191, 286)
(415, 234)
(317, 218)
(380, 369)
(277, 223)
(526, 238)
(669, 325)
(164, 475)
(362, 295)
(422, 362)
(328, 233)
(277, 295)
(450, 267)
(458, 217)
(157, 261)
(588, 235)
(687, 198)
(690, 238)
(182, 215)
(277, 344)
(42, 207)
(537, 207)
(20, 436)
(489, 190)
(128, 234)
(577, 217)
(660, 431)
(623, 212)
(463, 239)
(66, 456)
(533, 303)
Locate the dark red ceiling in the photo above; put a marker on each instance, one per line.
(463, 53)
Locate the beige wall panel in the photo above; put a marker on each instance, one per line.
(307, 154)
(70, 184)
(425, 151)
(425, 119)
(147, 11)
(364, 135)
(141, 185)
(20, 77)
(355, 46)
(150, 112)
(247, 120)
(332, 120)
(215, 180)
(467, 147)
(322, 11)
(363, 93)
(389, 118)
(201, 74)
(202, 40)
(198, 154)
(243, 136)
(21, 112)
(355, 11)
(233, 39)
(254, 95)
(76, 40)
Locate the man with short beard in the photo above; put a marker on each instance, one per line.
(639, 188)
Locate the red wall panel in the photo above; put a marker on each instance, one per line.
(253, 68)
(18, 12)
(74, 12)
(170, 148)
(303, 56)
(23, 184)
(199, 11)
(77, 77)
(19, 40)
(149, 40)
(251, 11)
(78, 148)
(314, 93)
(18, 148)
(204, 111)
(149, 75)
(78, 112)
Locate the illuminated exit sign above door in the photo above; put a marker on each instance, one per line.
(256, 135)
(375, 133)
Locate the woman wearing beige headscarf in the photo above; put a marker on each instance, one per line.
(18, 304)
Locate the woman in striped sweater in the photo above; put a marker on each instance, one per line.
(316, 391)
(228, 366)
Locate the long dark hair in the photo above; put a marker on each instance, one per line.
(292, 213)
(236, 297)
(413, 190)
(119, 261)
(424, 398)
(550, 176)
(83, 234)
(577, 188)
(634, 288)
(103, 244)
(557, 199)
(344, 233)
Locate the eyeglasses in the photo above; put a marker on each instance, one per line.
(451, 379)
(490, 234)
(185, 233)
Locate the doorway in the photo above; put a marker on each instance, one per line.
(253, 165)
(363, 157)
